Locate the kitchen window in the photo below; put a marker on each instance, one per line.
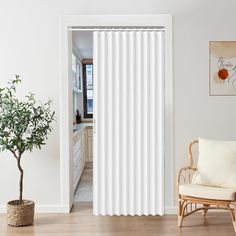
(88, 88)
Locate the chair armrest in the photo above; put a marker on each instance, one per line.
(185, 175)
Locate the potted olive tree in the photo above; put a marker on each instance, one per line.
(24, 125)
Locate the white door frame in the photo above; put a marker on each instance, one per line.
(66, 129)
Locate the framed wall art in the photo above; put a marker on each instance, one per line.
(222, 62)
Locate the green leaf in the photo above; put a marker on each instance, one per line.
(24, 124)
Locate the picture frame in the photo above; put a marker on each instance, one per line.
(222, 68)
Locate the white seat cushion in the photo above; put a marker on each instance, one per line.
(201, 191)
(216, 164)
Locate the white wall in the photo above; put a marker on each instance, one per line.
(29, 46)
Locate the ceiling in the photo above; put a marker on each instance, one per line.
(83, 42)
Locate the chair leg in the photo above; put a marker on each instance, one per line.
(206, 206)
(234, 218)
(182, 207)
(180, 220)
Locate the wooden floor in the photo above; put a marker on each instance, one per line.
(82, 222)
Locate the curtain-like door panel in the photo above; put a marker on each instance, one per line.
(128, 122)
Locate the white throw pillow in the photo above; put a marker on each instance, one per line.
(216, 163)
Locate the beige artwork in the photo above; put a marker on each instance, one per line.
(222, 67)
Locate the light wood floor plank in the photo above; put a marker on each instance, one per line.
(82, 222)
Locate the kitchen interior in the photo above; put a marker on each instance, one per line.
(82, 89)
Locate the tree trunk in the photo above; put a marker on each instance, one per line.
(21, 179)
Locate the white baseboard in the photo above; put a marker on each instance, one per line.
(52, 209)
(171, 210)
(44, 209)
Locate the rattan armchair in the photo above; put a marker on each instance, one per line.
(188, 203)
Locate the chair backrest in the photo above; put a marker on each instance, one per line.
(216, 163)
(190, 152)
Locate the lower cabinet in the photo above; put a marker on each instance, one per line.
(89, 149)
(78, 158)
(82, 152)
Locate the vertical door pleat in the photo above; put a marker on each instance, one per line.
(96, 179)
(102, 135)
(155, 108)
(145, 123)
(160, 109)
(124, 126)
(129, 120)
(152, 124)
(116, 134)
(109, 130)
(132, 128)
(138, 108)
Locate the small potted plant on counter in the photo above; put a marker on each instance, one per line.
(24, 125)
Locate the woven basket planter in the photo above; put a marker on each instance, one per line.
(20, 215)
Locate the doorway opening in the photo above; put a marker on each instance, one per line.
(82, 93)
(70, 183)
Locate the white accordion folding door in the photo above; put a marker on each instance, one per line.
(128, 122)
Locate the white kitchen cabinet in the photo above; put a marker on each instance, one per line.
(89, 154)
(78, 157)
(82, 151)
